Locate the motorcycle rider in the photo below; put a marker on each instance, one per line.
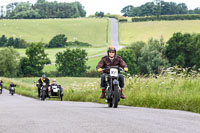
(1, 84)
(42, 80)
(111, 60)
(55, 84)
(11, 85)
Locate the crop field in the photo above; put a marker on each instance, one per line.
(93, 31)
(143, 31)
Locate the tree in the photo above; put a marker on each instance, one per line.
(129, 57)
(99, 14)
(158, 9)
(9, 62)
(3, 40)
(10, 42)
(152, 59)
(72, 62)
(126, 10)
(184, 50)
(136, 48)
(58, 41)
(33, 64)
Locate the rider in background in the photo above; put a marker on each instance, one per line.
(111, 60)
(55, 84)
(11, 85)
(1, 84)
(42, 80)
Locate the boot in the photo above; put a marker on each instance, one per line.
(102, 94)
(122, 95)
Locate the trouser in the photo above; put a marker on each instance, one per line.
(103, 82)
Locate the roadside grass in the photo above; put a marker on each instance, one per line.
(169, 92)
(93, 30)
(132, 32)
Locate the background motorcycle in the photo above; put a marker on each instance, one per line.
(12, 90)
(112, 92)
(1, 88)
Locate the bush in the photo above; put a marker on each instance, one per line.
(9, 64)
(78, 44)
(72, 62)
(58, 41)
(15, 42)
(123, 20)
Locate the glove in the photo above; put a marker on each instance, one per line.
(100, 70)
(126, 69)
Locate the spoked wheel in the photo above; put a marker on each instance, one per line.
(116, 96)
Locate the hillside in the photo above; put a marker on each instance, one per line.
(143, 31)
(93, 31)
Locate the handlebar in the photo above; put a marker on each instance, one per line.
(117, 67)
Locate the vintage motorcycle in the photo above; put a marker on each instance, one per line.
(112, 92)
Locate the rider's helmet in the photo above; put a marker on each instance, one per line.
(111, 48)
(44, 76)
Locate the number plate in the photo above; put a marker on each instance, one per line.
(55, 90)
(114, 72)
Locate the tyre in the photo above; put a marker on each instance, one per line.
(110, 104)
(43, 95)
(116, 96)
(61, 97)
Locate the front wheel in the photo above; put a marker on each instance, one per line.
(61, 97)
(43, 95)
(110, 104)
(116, 96)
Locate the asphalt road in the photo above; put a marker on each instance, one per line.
(20, 114)
(114, 33)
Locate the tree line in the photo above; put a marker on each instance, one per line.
(42, 9)
(58, 41)
(71, 62)
(155, 56)
(158, 7)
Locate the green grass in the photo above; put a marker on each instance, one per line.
(93, 31)
(92, 63)
(167, 92)
(143, 31)
(52, 51)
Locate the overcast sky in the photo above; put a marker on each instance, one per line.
(110, 6)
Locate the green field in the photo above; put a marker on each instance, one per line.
(93, 31)
(52, 52)
(143, 31)
(92, 63)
